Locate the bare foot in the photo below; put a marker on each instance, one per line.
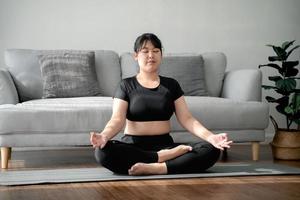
(148, 169)
(168, 154)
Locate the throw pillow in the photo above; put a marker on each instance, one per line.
(69, 74)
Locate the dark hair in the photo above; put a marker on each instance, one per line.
(141, 41)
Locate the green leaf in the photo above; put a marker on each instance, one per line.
(271, 99)
(289, 64)
(267, 87)
(286, 85)
(274, 58)
(289, 110)
(283, 102)
(288, 54)
(270, 45)
(282, 92)
(275, 78)
(272, 65)
(280, 52)
(291, 72)
(280, 109)
(286, 44)
(296, 101)
(288, 68)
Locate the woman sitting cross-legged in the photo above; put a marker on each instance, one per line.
(144, 104)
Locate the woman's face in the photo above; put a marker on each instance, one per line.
(149, 58)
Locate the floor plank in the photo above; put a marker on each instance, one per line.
(260, 187)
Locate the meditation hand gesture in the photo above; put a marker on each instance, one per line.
(219, 141)
(98, 139)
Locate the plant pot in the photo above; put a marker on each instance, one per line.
(286, 144)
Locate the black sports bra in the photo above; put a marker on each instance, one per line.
(149, 104)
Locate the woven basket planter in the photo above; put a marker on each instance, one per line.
(286, 144)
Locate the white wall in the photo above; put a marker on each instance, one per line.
(239, 28)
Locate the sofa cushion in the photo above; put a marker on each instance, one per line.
(69, 75)
(56, 115)
(8, 90)
(214, 70)
(84, 114)
(226, 114)
(23, 64)
(187, 69)
(108, 71)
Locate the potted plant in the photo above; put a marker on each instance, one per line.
(286, 141)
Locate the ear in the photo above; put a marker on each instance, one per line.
(135, 56)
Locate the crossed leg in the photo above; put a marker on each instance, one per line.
(160, 167)
(127, 159)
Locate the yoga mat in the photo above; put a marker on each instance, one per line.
(26, 177)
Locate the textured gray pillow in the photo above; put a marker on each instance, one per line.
(68, 74)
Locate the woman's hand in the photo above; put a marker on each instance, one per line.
(219, 141)
(98, 139)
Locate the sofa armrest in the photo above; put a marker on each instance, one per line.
(242, 85)
(8, 92)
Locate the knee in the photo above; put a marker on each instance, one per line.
(215, 153)
(101, 155)
(109, 159)
(212, 152)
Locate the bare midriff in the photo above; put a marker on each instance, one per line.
(147, 128)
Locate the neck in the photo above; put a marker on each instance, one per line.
(148, 76)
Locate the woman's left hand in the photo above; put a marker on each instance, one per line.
(219, 141)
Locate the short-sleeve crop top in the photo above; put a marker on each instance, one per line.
(149, 104)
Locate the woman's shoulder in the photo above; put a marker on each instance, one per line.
(128, 80)
(168, 79)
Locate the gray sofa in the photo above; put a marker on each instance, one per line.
(233, 103)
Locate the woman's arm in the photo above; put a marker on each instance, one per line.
(186, 119)
(113, 126)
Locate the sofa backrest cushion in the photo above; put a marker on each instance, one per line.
(108, 71)
(23, 64)
(206, 81)
(214, 70)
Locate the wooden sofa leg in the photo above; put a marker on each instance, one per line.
(5, 156)
(255, 151)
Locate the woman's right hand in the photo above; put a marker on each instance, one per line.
(98, 139)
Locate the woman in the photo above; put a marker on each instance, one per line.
(144, 104)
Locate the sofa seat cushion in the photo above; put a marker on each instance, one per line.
(225, 114)
(84, 114)
(57, 115)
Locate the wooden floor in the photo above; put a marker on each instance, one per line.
(241, 188)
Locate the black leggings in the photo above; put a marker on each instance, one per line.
(119, 156)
